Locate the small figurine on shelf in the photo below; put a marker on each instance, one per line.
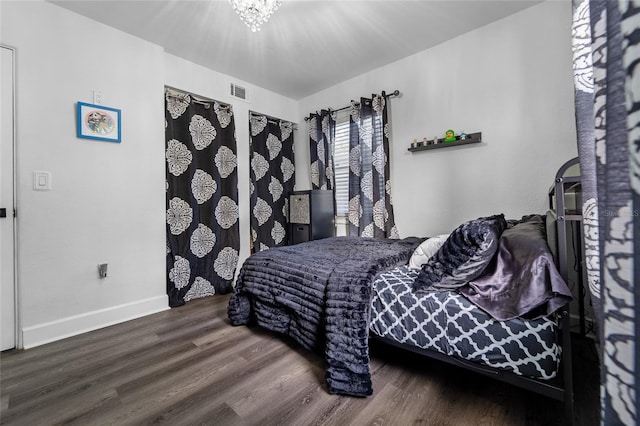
(425, 142)
(414, 144)
(450, 136)
(463, 136)
(435, 140)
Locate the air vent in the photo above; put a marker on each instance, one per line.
(238, 92)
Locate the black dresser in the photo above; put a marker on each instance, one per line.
(311, 215)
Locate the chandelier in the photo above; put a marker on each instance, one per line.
(255, 12)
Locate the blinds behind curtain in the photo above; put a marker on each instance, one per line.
(341, 162)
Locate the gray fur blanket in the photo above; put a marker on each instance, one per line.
(319, 293)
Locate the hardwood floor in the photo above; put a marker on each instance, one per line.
(189, 366)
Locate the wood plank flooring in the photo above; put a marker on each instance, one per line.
(189, 366)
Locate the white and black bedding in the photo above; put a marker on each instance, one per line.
(321, 294)
(447, 322)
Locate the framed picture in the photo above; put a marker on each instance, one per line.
(98, 122)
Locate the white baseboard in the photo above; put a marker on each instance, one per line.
(77, 324)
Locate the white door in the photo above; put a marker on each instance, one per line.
(7, 236)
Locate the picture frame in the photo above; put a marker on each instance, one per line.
(99, 122)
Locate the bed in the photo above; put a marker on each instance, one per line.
(486, 297)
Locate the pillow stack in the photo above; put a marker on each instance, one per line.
(464, 256)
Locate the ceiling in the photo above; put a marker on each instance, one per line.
(306, 46)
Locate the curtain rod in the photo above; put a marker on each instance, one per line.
(385, 94)
(180, 94)
(273, 119)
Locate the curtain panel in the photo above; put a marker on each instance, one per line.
(370, 208)
(322, 131)
(606, 41)
(272, 179)
(202, 198)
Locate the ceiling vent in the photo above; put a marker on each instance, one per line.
(238, 92)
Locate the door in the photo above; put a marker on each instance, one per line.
(7, 234)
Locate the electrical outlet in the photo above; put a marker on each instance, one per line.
(97, 97)
(102, 270)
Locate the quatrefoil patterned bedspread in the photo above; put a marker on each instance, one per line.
(447, 322)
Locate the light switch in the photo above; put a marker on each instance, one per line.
(41, 181)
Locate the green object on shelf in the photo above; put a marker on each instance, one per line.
(450, 136)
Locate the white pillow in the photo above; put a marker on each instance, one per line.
(425, 250)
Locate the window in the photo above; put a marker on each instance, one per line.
(341, 162)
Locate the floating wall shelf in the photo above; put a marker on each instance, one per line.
(471, 138)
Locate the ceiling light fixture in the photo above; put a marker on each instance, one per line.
(255, 12)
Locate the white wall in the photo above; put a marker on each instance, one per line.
(107, 203)
(107, 199)
(510, 80)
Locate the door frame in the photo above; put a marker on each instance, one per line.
(16, 335)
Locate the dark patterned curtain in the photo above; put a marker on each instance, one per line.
(370, 209)
(322, 134)
(202, 197)
(606, 41)
(272, 179)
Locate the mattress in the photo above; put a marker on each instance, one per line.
(447, 322)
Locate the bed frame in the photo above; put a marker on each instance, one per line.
(560, 388)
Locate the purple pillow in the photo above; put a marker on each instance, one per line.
(523, 281)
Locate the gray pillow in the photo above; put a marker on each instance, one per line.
(425, 250)
(464, 255)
